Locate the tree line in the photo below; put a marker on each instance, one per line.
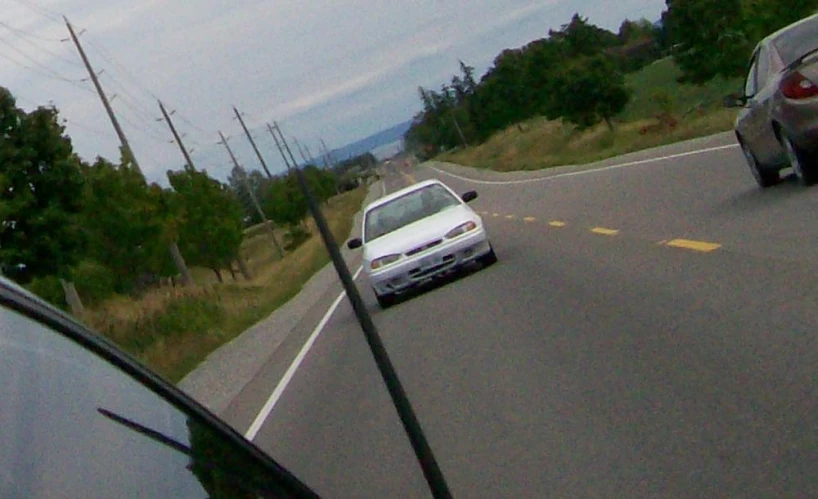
(576, 73)
(715, 37)
(104, 227)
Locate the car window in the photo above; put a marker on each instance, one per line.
(750, 87)
(763, 68)
(797, 41)
(74, 425)
(407, 209)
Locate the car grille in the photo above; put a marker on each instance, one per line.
(426, 246)
(420, 273)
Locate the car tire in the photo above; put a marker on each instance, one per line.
(489, 258)
(764, 177)
(802, 163)
(385, 301)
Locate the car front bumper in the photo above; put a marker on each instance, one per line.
(419, 269)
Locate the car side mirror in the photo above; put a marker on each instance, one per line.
(735, 100)
(355, 243)
(469, 196)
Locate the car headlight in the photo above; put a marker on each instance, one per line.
(383, 261)
(461, 229)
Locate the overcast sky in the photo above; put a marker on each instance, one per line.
(336, 69)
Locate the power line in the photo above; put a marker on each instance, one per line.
(27, 34)
(23, 36)
(142, 129)
(71, 122)
(50, 75)
(50, 14)
(37, 63)
(111, 59)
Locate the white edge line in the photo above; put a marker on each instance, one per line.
(585, 172)
(290, 373)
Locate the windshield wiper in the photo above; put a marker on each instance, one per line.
(148, 432)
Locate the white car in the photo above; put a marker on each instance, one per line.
(417, 234)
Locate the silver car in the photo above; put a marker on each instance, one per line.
(777, 126)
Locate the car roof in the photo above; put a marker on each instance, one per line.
(772, 36)
(401, 192)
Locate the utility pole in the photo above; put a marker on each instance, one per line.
(252, 143)
(309, 154)
(176, 136)
(252, 194)
(327, 154)
(329, 165)
(278, 145)
(459, 131)
(301, 151)
(286, 146)
(400, 400)
(126, 147)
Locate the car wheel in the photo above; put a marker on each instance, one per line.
(802, 163)
(764, 178)
(385, 301)
(489, 258)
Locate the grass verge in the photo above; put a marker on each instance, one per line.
(694, 111)
(172, 330)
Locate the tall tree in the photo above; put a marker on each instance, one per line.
(124, 225)
(709, 38)
(591, 89)
(41, 197)
(583, 38)
(211, 228)
(239, 182)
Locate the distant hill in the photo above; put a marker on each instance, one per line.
(373, 143)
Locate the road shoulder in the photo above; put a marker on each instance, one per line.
(484, 175)
(226, 371)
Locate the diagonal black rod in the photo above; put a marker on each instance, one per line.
(423, 452)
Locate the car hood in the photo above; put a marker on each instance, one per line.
(418, 233)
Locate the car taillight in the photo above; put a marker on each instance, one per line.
(797, 86)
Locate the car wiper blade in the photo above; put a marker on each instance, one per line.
(237, 478)
(148, 432)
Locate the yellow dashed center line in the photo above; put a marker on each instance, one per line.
(605, 232)
(700, 246)
(694, 245)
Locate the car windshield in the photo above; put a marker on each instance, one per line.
(407, 209)
(797, 41)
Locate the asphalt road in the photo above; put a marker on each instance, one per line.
(650, 331)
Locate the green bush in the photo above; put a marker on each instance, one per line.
(49, 289)
(295, 237)
(185, 314)
(94, 282)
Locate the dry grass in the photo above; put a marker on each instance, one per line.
(544, 144)
(173, 329)
(539, 143)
